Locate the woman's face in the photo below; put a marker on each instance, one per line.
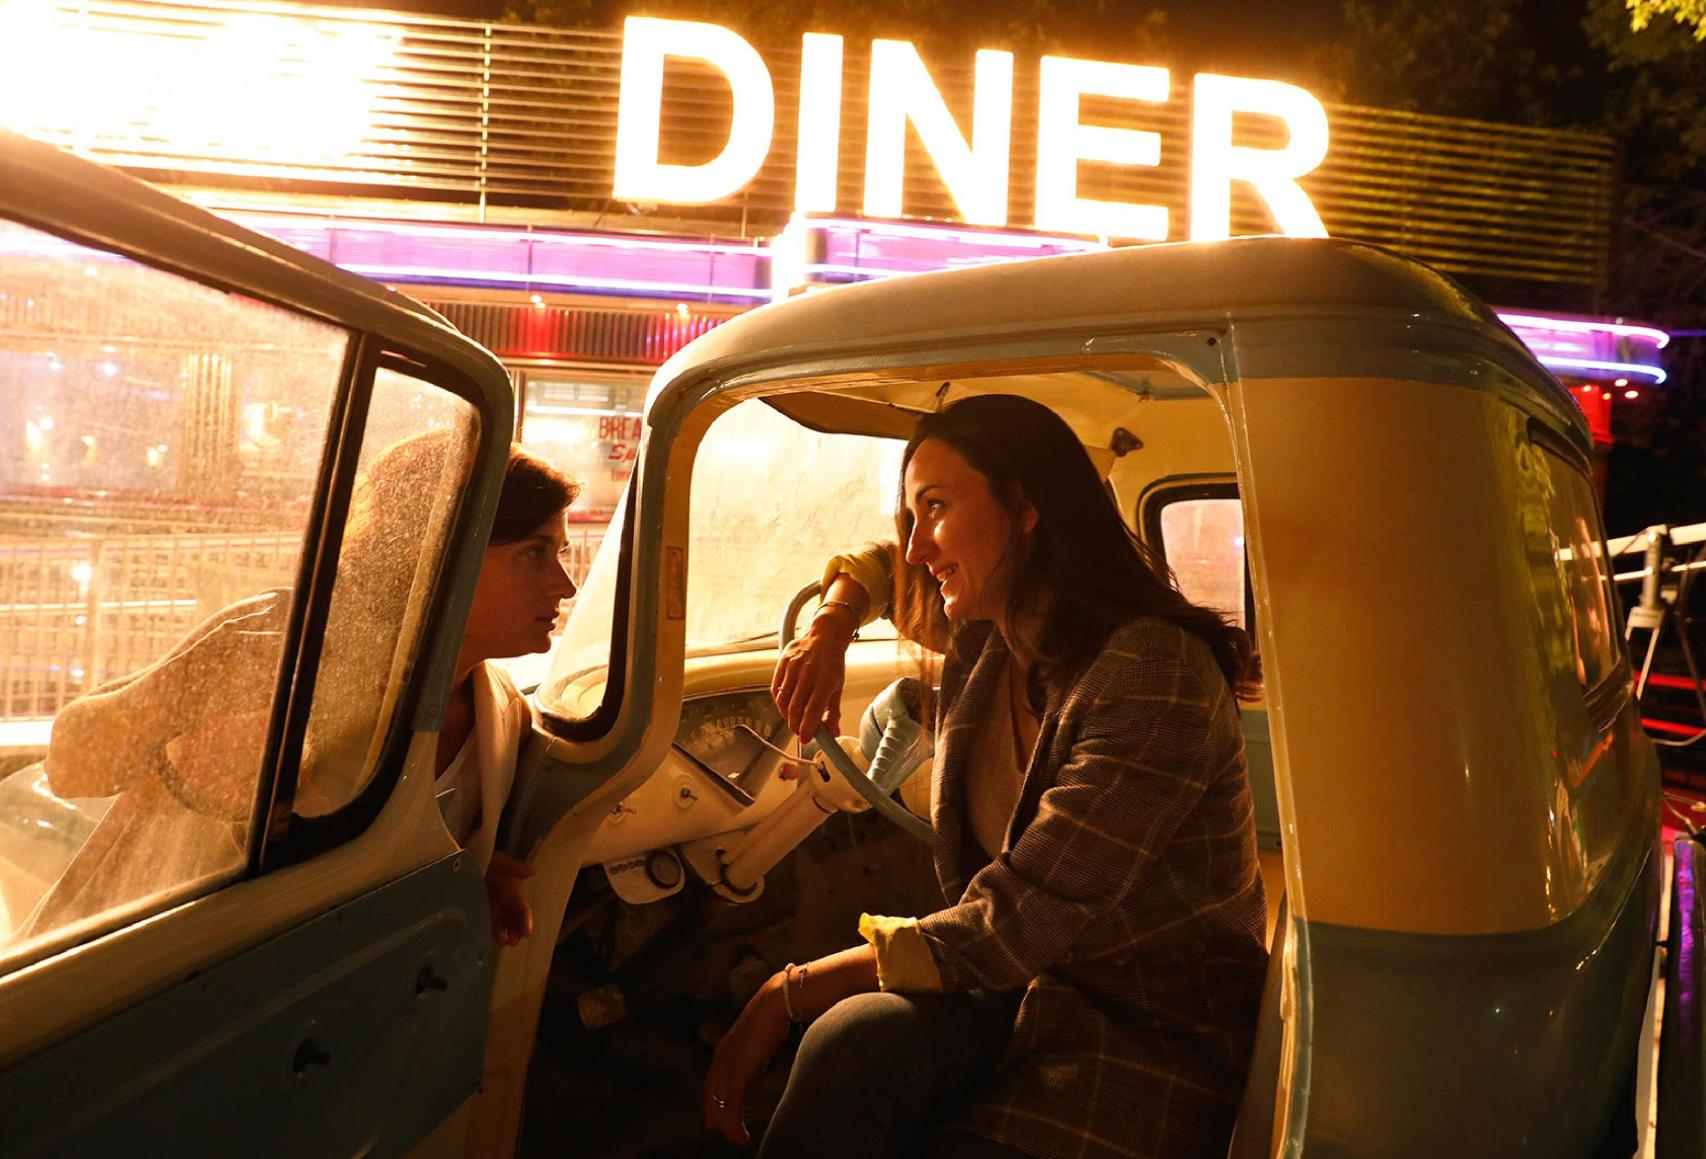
(961, 532)
(517, 599)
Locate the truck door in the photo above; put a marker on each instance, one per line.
(246, 499)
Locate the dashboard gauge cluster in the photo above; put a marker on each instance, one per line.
(729, 736)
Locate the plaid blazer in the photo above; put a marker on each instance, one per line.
(1127, 903)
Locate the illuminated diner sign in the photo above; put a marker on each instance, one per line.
(973, 165)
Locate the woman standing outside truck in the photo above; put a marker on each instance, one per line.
(1091, 985)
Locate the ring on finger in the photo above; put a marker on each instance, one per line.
(722, 1104)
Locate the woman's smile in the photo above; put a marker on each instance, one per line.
(961, 532)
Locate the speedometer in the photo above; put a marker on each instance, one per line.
(712, 735)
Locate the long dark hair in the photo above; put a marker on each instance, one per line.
(1085, 573)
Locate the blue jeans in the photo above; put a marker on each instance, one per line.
(877, 1074)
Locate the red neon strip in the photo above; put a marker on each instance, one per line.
(1664, 680)
(1670, 726)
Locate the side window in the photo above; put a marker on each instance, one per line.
(160, 443)
(416, 448)
(1201, 535)
(1579, 568)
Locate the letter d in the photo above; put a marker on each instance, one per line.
(640, 176)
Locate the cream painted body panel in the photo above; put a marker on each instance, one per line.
(1444, 775)
(1181, 438)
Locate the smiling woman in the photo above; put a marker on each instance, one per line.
(1090, 984)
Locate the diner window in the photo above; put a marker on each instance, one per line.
(589, 429)
(1200, 532)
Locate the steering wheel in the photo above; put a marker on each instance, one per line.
(892, 810)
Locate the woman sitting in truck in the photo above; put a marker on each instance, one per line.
(180, 741)
(1091, 986)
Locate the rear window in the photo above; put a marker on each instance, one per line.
(1202, 538)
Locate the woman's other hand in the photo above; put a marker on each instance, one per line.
(743, 1054)
(813, 667)
(746, 1050)
(512, 917)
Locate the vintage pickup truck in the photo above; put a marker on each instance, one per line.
(1459, 813)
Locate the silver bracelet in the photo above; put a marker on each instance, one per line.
(787, 996)
(839, 604)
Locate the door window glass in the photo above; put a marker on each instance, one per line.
(160, 443)
(1203, 542)
(416, 448)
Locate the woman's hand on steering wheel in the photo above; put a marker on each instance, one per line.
(811, 672)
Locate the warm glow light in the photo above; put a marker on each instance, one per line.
(1011, 239)
(589, 282)
(817, 159)
(265, 85)
(640, 176)
(1216, 162)
(1631, 394)
(975, 175)
(1062, 142)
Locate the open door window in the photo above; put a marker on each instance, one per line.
(246, 499)
(166, 441)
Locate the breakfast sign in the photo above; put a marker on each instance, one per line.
(973, 160)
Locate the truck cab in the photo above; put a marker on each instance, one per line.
(1339, 448)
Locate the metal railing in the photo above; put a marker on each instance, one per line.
(1672, 558)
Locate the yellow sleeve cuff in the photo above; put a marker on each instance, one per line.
(869, 568)
(903, 958)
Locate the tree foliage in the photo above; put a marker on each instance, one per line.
(1643, 84)
(1689, 13)
(1451, 58)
